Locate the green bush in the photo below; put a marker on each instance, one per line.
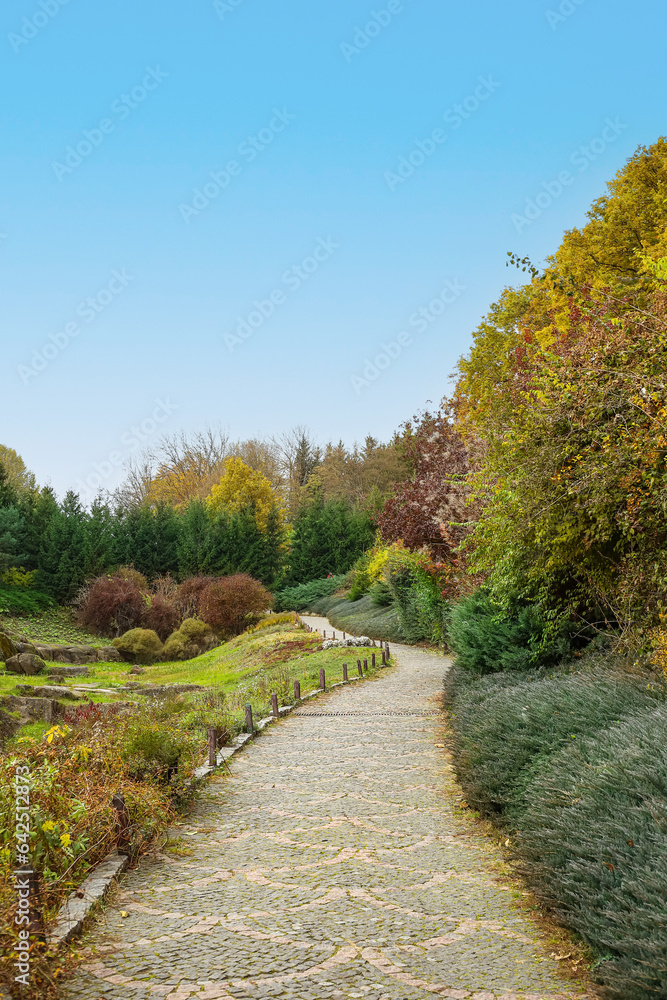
(593, 844)
(139, 645)
(506, 733)
(486, 639)
(195, 630)
(191, 639)
(381, 595)
(304, 595)
(23, 601)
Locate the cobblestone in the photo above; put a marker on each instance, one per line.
(332, 861)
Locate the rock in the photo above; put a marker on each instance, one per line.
(25, 663)
(48, 691)
(30, 708)
(7, 647)
(108, 654)
(26, 647)
(68, 671)
(56, 678)
(46, 652)
(137, 670)
(9, 726)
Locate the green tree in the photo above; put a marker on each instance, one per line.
(63, 551)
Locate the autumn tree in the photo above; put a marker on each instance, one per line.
(240, 488)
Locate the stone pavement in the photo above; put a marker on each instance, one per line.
(330, 862)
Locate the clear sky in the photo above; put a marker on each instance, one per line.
(228, 212)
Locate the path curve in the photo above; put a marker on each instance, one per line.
(331, 862)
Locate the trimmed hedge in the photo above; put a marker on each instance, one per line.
(593, 844)
(361, 617)
(304, 595)
(575, 762)
(505, 734)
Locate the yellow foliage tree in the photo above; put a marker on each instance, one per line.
(15, 467)
(242, 487)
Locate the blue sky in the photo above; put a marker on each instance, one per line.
(227, 213)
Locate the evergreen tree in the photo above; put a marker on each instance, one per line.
(328, 538)
(99, 538)
(195, 539)
(12, 538)
(38, 510)
(62, 558)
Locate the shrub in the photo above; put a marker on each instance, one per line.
(189, 593)
(132, 575)
(23, 601)
(162, 616)
(505, 734)
(593, 844)
(192, 638)
(361, 617)
(195, 629)
(111, 606)
(231, 602)
(178, 647)
(304, 595)
(486, 639)
(139, 645)
(381, 595)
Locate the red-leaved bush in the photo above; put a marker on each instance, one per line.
(112, 606)
(231, 602)
(189, 592)
(162, 616)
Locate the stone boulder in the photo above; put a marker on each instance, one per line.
(30, 708)
(46, 652)
(67, 671)
(25, 663)
(7, 647)
(26, 647)
(108, 654)
(9, 726)
(54, 691)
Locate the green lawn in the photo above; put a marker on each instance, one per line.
(249, 668)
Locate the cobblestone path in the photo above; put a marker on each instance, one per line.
(331, 862)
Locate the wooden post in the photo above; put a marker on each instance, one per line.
(274, 706)
(334, 634)
(365, 666)
(384, 658)
(250, 728)
(344, 636)
(345, 677)
(324, 633)
(297, 691)
(388, 653)
(122, 825)
(359, 668)
(322, 679)
(212, 745)
(373, 660)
